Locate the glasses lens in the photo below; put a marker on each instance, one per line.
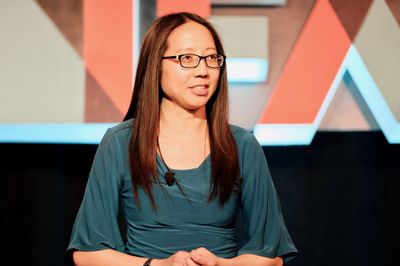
(189, 60)
(192, 60)
(215, 60)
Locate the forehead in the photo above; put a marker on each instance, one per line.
(190, 36)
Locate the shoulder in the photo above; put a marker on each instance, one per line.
(119, 133)
(243, 137)
(114, 146)
(249, 149)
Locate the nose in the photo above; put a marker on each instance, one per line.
(201, 69)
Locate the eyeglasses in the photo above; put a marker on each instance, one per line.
(193, 60)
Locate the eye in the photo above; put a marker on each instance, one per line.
(187, 58)
(212, 57)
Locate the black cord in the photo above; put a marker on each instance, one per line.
(169, 176)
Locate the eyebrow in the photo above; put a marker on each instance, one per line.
(191, 49)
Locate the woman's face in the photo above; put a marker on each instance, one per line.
(189, 88)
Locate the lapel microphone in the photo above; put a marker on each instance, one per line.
(169, 176)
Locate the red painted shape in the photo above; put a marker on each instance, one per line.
(200, 7)
(107, 47)
(310, 69)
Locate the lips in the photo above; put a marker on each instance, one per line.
(200, 90)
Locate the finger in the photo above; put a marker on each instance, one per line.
(179, 258)
(195, 255)
(190, 262)
(199, 259)
(203, 257)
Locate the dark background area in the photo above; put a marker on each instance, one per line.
(339, 195)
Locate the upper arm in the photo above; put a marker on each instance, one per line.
(96, 224)
(265, 232)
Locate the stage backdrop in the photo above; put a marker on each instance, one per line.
(66, 71)
(294, 67)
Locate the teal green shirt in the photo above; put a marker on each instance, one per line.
(179, 223)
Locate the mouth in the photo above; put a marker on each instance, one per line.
(200, 90)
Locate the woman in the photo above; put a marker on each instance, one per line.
(175, 168)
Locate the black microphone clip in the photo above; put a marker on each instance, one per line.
(169, 178)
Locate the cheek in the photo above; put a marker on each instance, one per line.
(172, 79)
(214, 77)
(167, 79)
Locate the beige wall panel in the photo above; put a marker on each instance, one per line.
(243, 36)
(246, 102)
(345, 112)
(378, 43)
(41, 75)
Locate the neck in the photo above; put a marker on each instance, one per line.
(173, 119)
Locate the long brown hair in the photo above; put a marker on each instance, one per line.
(145, 108)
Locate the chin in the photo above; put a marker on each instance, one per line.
(195, 107)
(196, 104)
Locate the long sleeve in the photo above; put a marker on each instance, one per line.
(264, 230)
(96, 224)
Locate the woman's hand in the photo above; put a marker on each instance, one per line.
(180, 258)
(204, 257)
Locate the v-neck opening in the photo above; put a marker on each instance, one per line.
(184, 170)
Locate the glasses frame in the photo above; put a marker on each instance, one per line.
(178, 57)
